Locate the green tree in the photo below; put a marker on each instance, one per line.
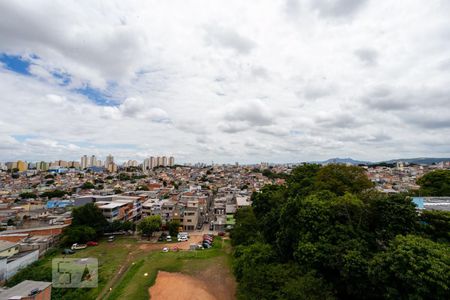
(173, 227)
(87, 186)
(89, 215)
(149, 225)
(436, 224)
(435, 183)
(340, 179)
(266, 207)
(307, 287)
(123, 177)
(78, 234)
(302, 180)
(54, 194)
(28, 195)
(389, 216)
(412, 268)
(245, 231)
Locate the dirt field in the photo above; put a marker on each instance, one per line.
(178, 286)
(215, 282)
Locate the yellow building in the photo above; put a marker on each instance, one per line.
(22, 166)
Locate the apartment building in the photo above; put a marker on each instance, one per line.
(115, 207)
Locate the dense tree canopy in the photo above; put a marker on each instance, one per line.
(28, 195)
(435, 183)
(78, 234)
(412, 268)
(89, 215)
(87, 185)
(173, 227)
(149, 225)
(54, 194)
(327, 235)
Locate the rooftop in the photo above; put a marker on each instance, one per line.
(5, 245)
(112, 205)
(24, 289)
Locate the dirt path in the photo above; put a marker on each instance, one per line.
(122, 270)
(178, 286)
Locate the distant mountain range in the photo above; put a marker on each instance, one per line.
(418, 160)
(338, 160)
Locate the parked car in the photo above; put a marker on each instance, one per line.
(68, 251)
(206, 245)
(183, 239)
(183, 234)
(169, 238)
(78, 246)
(111, 239)
(92, 243)
(165, 249)
(221, 233)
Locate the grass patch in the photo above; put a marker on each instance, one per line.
(126, 280)
(135, 285)
(109, 255)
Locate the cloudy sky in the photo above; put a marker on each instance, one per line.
(224, 81)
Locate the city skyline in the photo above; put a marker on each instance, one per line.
(281, 81)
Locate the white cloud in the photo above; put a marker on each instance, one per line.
(274, 81)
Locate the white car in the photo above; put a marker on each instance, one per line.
(168, 238)
(182, 239)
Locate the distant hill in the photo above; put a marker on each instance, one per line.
(418, 160)
(338, 160)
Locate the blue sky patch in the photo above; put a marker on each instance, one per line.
(23, 137)
(96, 95)
(62, 77)
(15, 63)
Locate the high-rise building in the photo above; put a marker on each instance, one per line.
(92, 161)
(146, 164)
(171, 161)
(42, 166)
(164, 161)
(153, 162)
(22, 166)
(73, 164)
(60, 163)
(109, 159)
(112, 167)
(84, 162)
